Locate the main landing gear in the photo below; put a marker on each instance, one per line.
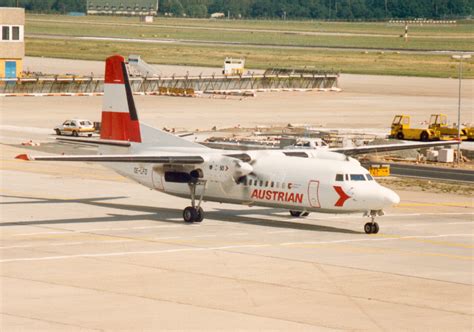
(195, 213)
(298, 213)
(372, 227)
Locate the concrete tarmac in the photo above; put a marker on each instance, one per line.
(85, 249)
(82, 248)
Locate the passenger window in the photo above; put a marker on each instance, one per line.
(347, 177)
(266, 183)
(369, 177)
(272, 184)
(357, 177)
(261, 183)
(339, 177)
(278, 184)
(250, 182)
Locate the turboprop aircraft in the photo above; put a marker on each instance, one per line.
(301, 181)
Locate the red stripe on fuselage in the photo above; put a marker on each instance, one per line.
(119, 126)
(343, 197)
(113, 70)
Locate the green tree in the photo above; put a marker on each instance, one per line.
(171, 6)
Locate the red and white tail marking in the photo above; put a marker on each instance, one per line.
(119, 115)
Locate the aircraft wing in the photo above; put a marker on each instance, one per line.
(184, 159)
(390, 147)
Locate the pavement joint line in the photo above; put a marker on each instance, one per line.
(276, 284)
(50, 321)
(98, 230)
(282, 231)
(61, 244)
(168, 300)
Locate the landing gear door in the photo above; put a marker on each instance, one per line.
(313, 194)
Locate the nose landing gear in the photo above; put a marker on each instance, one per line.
(299, 213)
(195, 213)
(372, 227)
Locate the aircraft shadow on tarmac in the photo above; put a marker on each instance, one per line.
(163, 214)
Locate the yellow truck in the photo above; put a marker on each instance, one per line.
(401, 130)
(439, 122)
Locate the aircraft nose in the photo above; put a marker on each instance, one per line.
(390, 197)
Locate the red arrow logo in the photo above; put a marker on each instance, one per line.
(343, 197)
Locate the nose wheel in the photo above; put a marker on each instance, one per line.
(194, 213)
(298, 213)
(372, 227)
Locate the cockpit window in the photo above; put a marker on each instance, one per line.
(357, 177)
(369, 177)
(339, 177)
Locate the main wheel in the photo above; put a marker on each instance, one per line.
(368, 228)
(375, 228)
(58, 132)
(199, 214)
(75, 133)
(189, 214)
(295, 213)
(400, 135)
(424, 136)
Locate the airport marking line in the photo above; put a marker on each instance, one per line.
(149, 252)
(127, 253)
(459, 204)
(380, 237)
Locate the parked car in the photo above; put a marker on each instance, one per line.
(75, 127)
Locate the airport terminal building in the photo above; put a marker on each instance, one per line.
(12, 45)
(122, 7)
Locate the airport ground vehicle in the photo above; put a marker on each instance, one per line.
(439, 122)
(401, 130)
(75, 127)
(324, 180)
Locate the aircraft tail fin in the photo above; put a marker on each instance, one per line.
(119, 114)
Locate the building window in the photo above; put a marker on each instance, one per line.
(15, 33)
(5, 33)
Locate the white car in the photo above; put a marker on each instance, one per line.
(75, 127)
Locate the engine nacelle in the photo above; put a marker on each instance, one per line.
(222, 168)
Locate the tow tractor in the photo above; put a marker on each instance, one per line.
(439, 122)
(401, 130)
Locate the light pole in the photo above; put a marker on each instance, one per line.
(460, 57)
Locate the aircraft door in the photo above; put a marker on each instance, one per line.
(157, 178)
(313, 194)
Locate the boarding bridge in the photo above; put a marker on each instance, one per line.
(137, 65)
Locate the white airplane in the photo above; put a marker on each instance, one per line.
(302, 181)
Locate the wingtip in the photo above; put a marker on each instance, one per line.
(23, 157)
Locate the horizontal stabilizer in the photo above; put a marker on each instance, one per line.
(94, 141)
(119, 158)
